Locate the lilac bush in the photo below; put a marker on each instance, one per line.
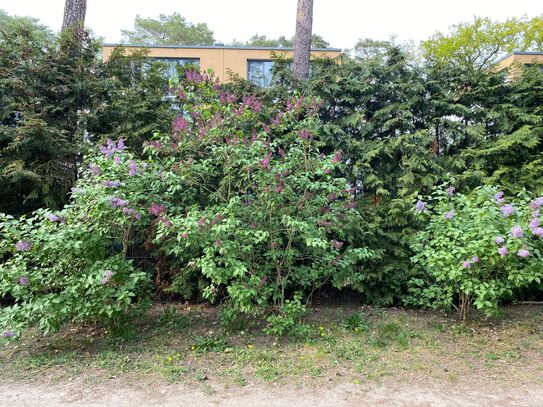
(54, 271)
(238, 194)
(480, 255)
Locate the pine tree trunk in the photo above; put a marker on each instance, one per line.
(74, 15)
(302, 39)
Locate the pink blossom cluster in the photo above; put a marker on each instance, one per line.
(156, 209)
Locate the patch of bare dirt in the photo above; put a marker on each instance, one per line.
(81, 394)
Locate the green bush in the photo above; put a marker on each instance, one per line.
(476, 248)
(57, 269)
(289, 320)
(238, 195)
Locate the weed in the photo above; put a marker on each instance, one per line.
(174, 373)
(356, 322)
(209, 343)
(437, 326)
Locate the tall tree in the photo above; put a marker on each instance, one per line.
(302, 38)
(74, 15)
(479, 43)
(168, 30)
(258, 40)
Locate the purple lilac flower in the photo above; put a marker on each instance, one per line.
(202, 221)
(449, 215)
(499, 239)
(252, 102)
(111, 184)
(194, 76)
(23, 245)
(503, 251)
(507, 210)
(537, 203)
(106, 277)
(499, 198)
(156, 209)
(475, 259)
(133, 168)
(166, 222)
(336, 245)
(117, 202)
(290, 106)
(466, 264)
(8, 334)
(420, 206)
(279, 188)
(337, 157)
(523, 253)
(450, 191)
(265, 162)
(95, 169)
(538, 231)
(536, 214)
(277, 120)
(128, 211)
(179, 124)
(54, 218)
(111, 147)
(516, 231)
(117, 160)
(304, 134)
(24, 281)
(534, 223)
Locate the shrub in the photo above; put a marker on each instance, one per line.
(289, 320)
(238, 197)
(476, 248)
(57, 269)
(265, 212)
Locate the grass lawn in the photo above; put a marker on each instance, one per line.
(186, 343)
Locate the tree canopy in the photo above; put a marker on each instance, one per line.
(479, 43)
(168, 30)
(259, 40)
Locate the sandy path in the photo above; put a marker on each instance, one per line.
(112, 394)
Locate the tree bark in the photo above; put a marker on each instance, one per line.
(302, 38)
(74, 15)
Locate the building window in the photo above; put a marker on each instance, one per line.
(260, 72)
(173, 63)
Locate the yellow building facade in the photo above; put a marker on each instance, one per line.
(517, 60)
(253, 63)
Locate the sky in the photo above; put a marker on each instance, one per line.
(340, 22)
